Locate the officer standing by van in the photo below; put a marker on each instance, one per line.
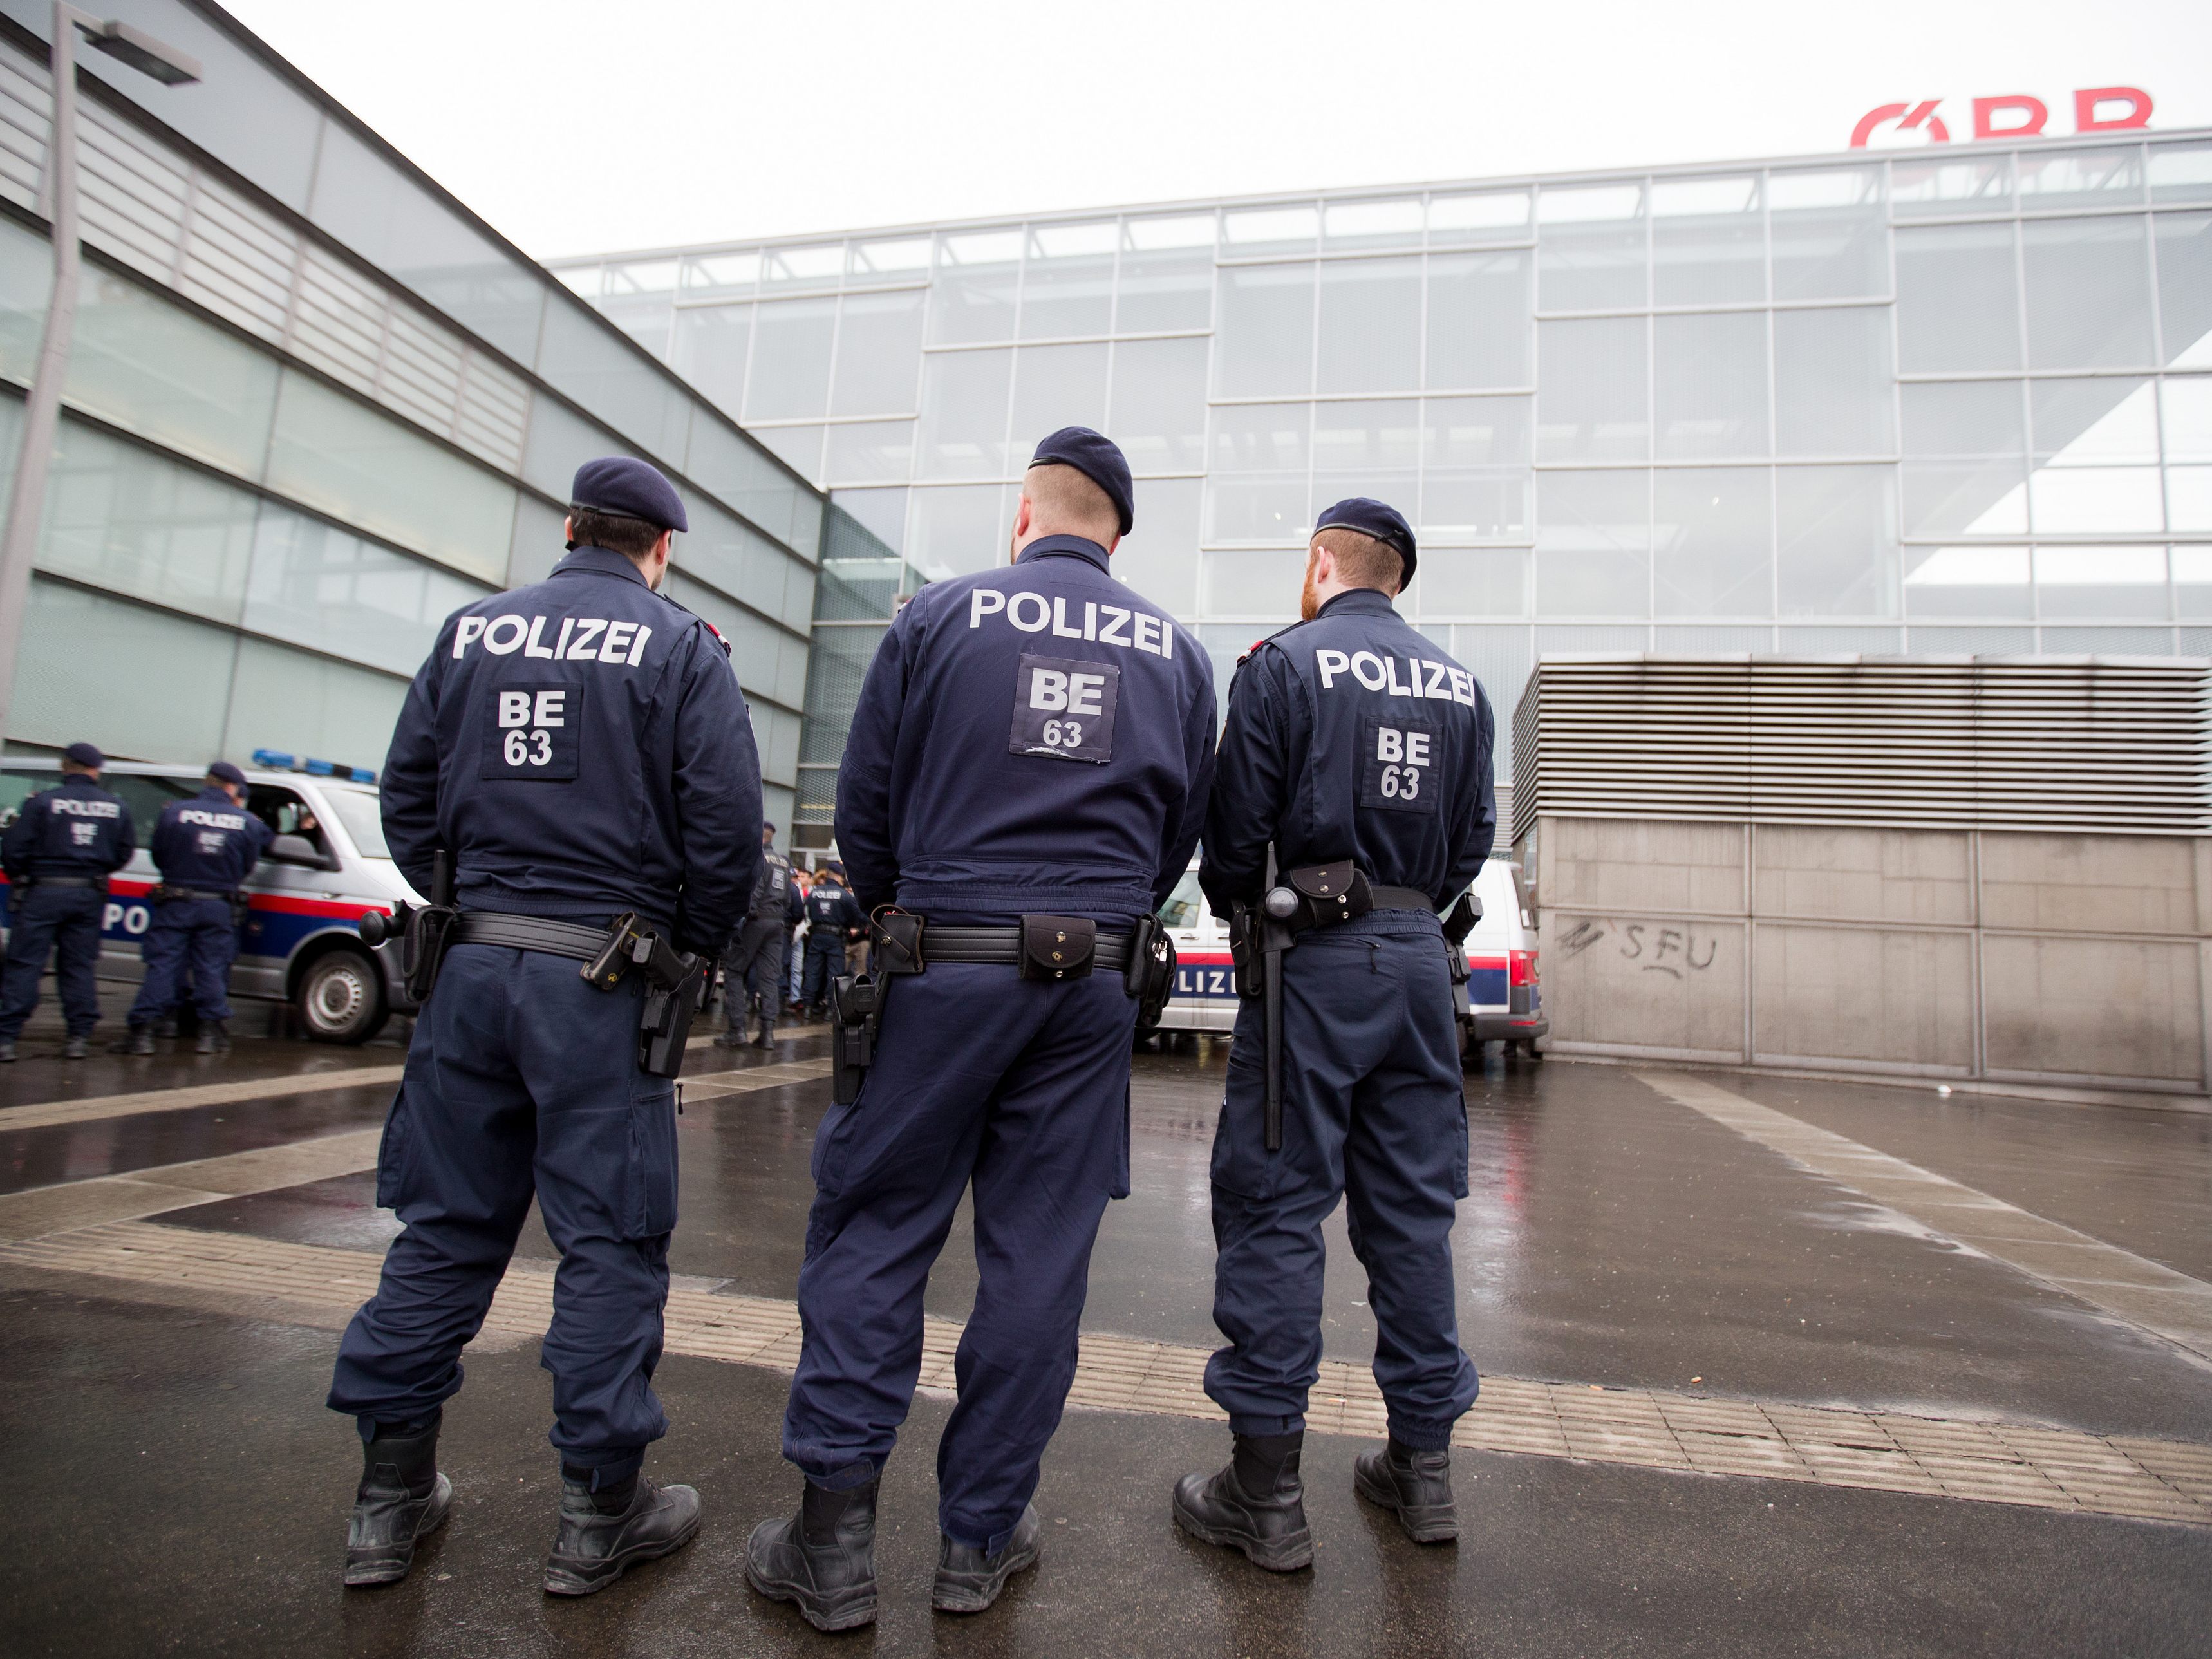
(577, 753)
(58, 855)
(1352, 804)
(205, 848)
(834, 917)
(753, 961)
(1021, 869)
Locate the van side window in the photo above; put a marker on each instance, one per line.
(286, 814)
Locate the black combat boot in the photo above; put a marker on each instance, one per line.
(401, 1500)
(968, 1581)
(734, 1021)
(606, 1532)
(824, 1557)
(77, 1047)
(1255, 1504)
(214, 1037)
(1415, 1484)
(138, 1041)
(766, 1038)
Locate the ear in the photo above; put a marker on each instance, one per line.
(1024, 515)
(1320, 561)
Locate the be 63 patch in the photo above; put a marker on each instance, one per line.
(1398, 769)
(1064, 708)
(533, 733)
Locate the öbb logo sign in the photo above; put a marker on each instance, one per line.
(2013, 115)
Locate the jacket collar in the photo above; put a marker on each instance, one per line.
(79, 779)
(212, 792)
(1360, 601)
(601, 561)
(1080, 547)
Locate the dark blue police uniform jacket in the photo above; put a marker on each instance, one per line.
(77, 835)
(1349, 735)
(208, 844)
(582, 747)
(1036, 739)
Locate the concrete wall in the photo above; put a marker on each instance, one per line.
(2067, 959)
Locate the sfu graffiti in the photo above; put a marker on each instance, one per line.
(1655, 947)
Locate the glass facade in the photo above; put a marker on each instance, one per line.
(1957, 400)
(314, 406)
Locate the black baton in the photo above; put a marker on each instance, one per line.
(1273, 938)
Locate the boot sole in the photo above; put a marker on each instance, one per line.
(368, 1573)
(818, 1611)
(1288, 1554)
(562, 1580)
(958, 1597)
(1435, 1523)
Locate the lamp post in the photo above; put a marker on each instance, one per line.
(42, 411)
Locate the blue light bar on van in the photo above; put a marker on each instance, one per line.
(276, 759)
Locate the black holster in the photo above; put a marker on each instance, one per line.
(1150, 975)
(430, 931)
(855, 1010)
(1458, 923)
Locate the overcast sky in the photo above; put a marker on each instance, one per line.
(577, 127)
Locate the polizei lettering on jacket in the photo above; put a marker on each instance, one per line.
(207, 820)
(1400, 676)
(581, 639)
(1103, 624)
(73, 807)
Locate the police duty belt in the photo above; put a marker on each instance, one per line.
(675, 981)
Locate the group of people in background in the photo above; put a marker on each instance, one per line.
(58, 855)
(762, 973)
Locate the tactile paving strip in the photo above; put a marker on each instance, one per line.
(1985, 1462)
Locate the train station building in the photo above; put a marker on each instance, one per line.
(1948, 400)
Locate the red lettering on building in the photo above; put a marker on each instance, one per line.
(2086, 104)
(2013, 115)
(2033, 112)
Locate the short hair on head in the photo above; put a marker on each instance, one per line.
(1362, 561)
(1067, 503)
(75, 766)
(631, 537)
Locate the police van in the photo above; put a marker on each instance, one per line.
(1506, 1000)
(327, 867)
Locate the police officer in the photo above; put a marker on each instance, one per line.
(754, 955)
(576, 749)
(58, 854)
(834, 916)
(995, 1065)
(1351, 740)
(205, 848)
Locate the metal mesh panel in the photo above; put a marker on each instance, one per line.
(164, 214)
(2084, 744)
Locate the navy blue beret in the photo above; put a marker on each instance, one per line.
(629, 489)
(1377, 519)
(1096, 458)
(84, 755)
(228, 773)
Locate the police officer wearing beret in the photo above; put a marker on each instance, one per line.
(572, 751)
(753, 959)
(1359, 754)
(58, 855)
(1027, 771)
(205, 847)
(834, 916)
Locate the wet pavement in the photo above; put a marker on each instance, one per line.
(1612, 1239)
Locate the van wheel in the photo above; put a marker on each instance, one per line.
(341, 998)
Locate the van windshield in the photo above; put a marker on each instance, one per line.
(1186, 905)
(361, 812)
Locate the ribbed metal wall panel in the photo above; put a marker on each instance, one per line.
(164, 214)
(2079, 744)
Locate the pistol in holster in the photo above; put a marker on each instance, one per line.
(1458, 923)
(424, 932)
(856, 1002)
(676, 984)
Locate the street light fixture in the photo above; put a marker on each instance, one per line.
(42, 409)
